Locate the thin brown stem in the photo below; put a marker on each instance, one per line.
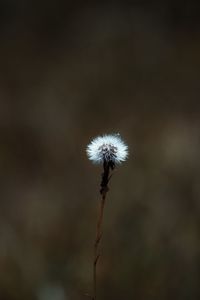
(96, 244)
(104, 189)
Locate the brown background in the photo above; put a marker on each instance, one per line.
(71, 70)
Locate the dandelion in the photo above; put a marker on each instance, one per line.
(108, 150)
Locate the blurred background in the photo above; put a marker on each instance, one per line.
(71, 70)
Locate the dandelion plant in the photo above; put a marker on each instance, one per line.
(109, 151)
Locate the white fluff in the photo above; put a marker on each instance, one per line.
(107, 148)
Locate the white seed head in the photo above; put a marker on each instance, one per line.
(107, 148)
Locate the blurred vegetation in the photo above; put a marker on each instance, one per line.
(70, 70)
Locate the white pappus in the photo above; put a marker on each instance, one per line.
(108, 148)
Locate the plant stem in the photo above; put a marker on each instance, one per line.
(104, 189)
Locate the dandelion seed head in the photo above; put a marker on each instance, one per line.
(107, 148)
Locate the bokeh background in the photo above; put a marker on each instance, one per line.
(71, 70)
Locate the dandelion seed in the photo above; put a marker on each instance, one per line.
(107, 148)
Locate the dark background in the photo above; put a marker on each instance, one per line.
(71, 70)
